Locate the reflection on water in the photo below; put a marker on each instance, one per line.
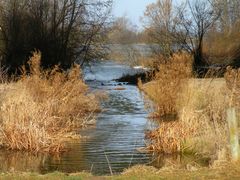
(19, 161)
(75, 161)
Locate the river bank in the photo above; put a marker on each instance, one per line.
(199, 122)
(40, 110)
(118, 131)
(111, 144)
(226, 171)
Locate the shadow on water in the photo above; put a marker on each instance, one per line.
(119, 132)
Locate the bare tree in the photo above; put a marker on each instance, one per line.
(181, 27)
(229, 25)
(196, 19)
(161, 20)
(230, 14)
(123, 31)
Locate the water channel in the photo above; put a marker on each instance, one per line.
(119, 128)
(112, 142)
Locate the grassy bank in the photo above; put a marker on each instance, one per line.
(166, 84)
(199, 107)
(43, 108)
(229, 171)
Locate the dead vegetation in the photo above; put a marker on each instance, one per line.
(43, 108)
(165, 87)
(200, 106)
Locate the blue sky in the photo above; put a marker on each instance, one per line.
(133, 9)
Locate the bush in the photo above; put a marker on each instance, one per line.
(64, 31)
(201, 126)
(41, 109)
(166, 85)
(200, 106)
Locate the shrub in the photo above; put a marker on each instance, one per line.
(201, 126)
(41, 109)
(202, 107)
(167, 83)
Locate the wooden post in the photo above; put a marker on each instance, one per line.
(233, 133)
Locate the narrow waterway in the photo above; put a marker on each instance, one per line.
(119, 131)
(111, 144)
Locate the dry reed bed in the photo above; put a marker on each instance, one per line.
(166, 84)
(222, 48)
(43, 108)
(200, 105)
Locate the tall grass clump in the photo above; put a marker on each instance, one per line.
(166, 85)
(202, 110)
(232, 77)
(203, 105)
(200, 105)
(201, 126)
(43, 108)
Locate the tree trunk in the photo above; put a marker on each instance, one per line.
(199, 63)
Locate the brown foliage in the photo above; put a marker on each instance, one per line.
(168, 138)
(43, 108)
(232, 77)
(201, 125)
(200, 105)
(167, 83)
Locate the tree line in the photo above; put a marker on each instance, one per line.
(207, 29)
(65, 31)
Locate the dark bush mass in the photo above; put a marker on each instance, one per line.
(63, 30)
